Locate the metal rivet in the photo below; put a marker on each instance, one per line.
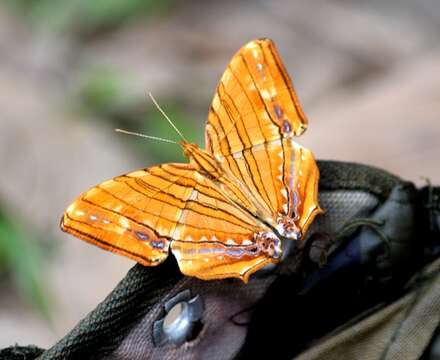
(181, 321)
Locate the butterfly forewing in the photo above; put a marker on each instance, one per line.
(254, 103)
(133, 214)
(253, 117)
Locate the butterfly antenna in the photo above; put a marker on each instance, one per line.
(145, 136)
(166, 116)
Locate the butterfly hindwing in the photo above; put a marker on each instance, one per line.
(141, 214)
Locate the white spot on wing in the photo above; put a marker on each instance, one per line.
(246, 242)
(78, 212)
(93, 217)
(231, 242)
(124, 222)
(265, 94)
(176, 234)
(193, 195)
(238, 155)
(284, 192)
(274, 143)
(120, 230)
(258, 147)
(199, 177)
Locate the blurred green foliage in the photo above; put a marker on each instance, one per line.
(105, 94)
(84, 17)
(154, 124)
(21, 257)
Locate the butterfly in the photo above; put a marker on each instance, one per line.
(230, 211)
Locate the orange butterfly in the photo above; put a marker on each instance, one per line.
(228, 211)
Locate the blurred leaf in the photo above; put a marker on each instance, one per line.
(103, 91)
(155, 124)
(86, 17)
(20, 255)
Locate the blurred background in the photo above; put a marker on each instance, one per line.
(367, 74)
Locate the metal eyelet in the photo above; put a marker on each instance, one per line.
(181, 321)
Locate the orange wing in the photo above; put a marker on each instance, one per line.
(219, 220)
(253, 117)
(255, 102)
(140, 214)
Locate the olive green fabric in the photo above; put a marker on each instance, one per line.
(401, 330)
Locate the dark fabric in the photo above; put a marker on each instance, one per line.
(430, 219)
(343, 186)
(226, 303)
(373, 258)
(20, 352)
(400, 330)
(336, 175)
(105, 327)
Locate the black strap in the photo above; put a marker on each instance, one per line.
(430, 219)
